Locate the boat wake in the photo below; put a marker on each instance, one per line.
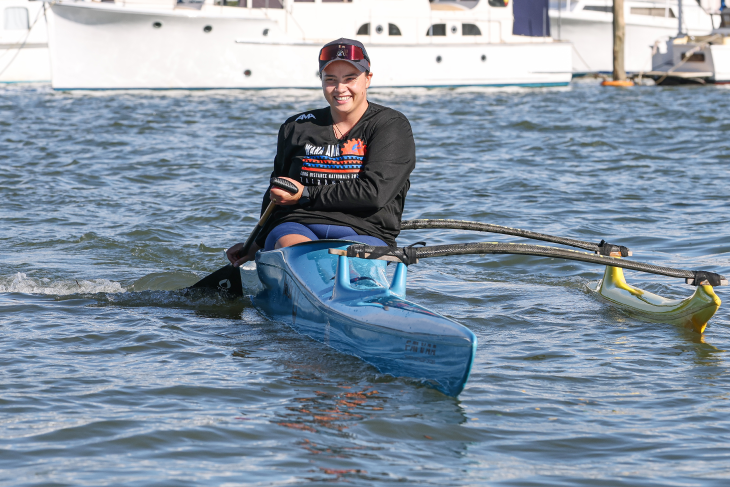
(196, 299)
(21, 283)
(163, 289)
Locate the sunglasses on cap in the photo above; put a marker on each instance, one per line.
(342, 51)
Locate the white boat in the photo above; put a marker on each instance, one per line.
(24, 54)
(701, 59)
(156, 44)
(588, 25)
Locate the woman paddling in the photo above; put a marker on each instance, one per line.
(350, 162)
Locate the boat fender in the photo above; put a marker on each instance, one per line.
(406, 255)
(605, 248)
(706, 277)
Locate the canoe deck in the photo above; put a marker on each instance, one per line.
(693, 312)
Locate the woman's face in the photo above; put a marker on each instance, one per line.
(345, 87)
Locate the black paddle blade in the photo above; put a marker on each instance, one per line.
(225, 280)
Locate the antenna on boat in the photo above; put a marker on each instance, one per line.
(680, 30)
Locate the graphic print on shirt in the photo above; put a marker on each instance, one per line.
(331, 163)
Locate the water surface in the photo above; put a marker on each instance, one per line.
(108, 200)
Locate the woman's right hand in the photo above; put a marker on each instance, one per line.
(237, 261)
(282, 197)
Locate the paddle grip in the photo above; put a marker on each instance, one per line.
(285, 185)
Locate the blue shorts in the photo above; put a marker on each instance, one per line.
(316, 232)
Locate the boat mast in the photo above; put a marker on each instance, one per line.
(560, 7)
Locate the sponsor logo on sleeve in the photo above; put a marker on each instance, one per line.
(305, 116)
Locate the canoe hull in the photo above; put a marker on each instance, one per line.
(309, 289)
(693, 312)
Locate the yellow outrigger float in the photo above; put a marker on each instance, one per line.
(693, 312)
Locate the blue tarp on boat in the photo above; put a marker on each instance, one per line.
(531, 18)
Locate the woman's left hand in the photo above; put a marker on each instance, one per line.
(284, 198)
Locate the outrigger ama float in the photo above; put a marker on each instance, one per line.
(337, 292)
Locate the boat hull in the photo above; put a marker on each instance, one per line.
(107, 46)
(314, 292)
(693, 312)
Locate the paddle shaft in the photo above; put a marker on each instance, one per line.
(279, 183)
(255, 233)
(227, 279)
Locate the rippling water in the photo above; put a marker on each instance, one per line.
(110, 200)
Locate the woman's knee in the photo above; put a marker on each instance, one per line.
(288, 229)
(291, 239)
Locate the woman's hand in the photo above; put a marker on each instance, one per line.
(237, 261)
(284, 198)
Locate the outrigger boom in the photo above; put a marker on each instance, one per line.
(693, 312)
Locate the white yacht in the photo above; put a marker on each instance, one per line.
(588, 25)
(688, 59)
(24, 54)
(206, 44)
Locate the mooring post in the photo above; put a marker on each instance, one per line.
(619, 34)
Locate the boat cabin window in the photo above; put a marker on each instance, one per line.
(725, 19)
(470, 30)
(437, 30)
(364, 30)
(453, 4)
(191, 4)
(16, 18)
(266, 4)
(654, 12)
(695, 57)
(597, 8)
(497, 3)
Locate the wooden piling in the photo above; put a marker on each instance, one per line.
(619, 36)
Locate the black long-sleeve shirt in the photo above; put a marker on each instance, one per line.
(359, 182)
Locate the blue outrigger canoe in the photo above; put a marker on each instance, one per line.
(349, 305)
